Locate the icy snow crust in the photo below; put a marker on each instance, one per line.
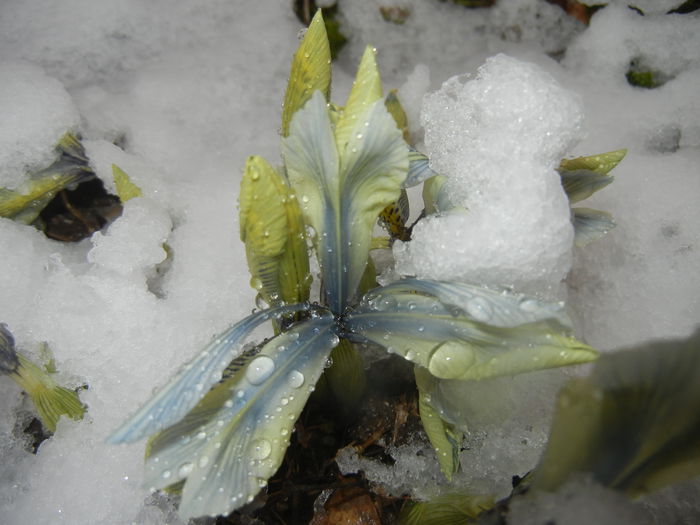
(189, 90)
(498, 138)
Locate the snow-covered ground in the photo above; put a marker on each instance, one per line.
(191, 89)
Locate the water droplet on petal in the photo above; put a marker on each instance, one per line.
(259, 369)
(295, 379)
(451, 359)
(479, 309)
(260, 449)
(185, 469)
(529, 305)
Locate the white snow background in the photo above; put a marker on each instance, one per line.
(192, 88)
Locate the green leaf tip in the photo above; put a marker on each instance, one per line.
(50, 399)
(601, 163)
(310, 71)
(126, 189)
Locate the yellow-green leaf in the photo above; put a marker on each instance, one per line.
(126, 189)
(311, 71)
(602, 163)
(272, 229)
(366, 89)
(443, 437)
(50, 399)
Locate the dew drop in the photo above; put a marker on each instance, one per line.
(203, 461)
(529, 305)
(167, 474)
(259, 369)
(451, 359)
(295, 379)
(479, 309)
(202, 435)
(185, 469)
(260, 449)
(228, 404)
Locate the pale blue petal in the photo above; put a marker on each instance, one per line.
(240, 442)
(496, 307)
(194, 379)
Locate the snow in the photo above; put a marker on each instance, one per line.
(189, 90)
(37, 110)
(498, 138)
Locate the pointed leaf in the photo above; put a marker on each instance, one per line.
(126, 189)
(581, 184)
(443, 437)
(194, 379)
(602, 163)
(590, 225)
(50, 399)
(366, 90)
(235, 438)
(633, 424)
(451, 345)
(311, 71)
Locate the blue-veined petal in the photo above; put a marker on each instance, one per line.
(194, 380)
(418, 169)
(496, 307)
(341, 196)
(451, 345)
(590, 225)
(235, 439)
(373, 167)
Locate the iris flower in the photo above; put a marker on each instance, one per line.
(223, 423)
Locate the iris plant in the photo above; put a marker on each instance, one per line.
(223, 423)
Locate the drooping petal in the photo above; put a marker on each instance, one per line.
(311, 71)
(452, 345)
(235, 439)
(194, 380)
(590, 225)
(496, 307)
